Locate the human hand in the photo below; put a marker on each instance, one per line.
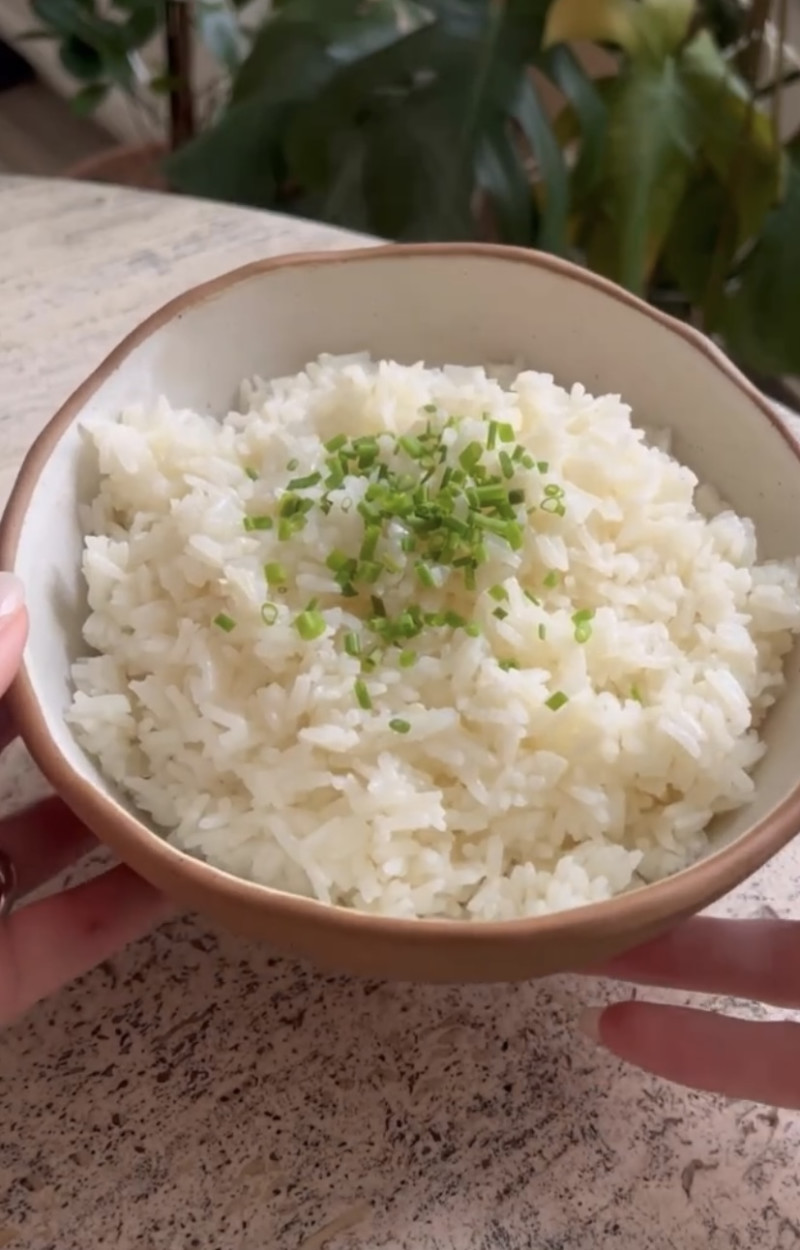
(757, 960)
(47, 943)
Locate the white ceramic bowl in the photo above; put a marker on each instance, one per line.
(455, 303)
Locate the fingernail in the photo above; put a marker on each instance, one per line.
(12, 595)
(589, 1023)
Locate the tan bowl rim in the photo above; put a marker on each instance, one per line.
(625, 912)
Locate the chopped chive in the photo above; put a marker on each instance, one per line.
(362, 695)
(251, 523)
(554, 506)
(269, 613)
(370, 543)
(291, 465)
(224, 622)
(399, 726)
(552, 579)
(531, 597)
(500, 613)
(506, 432)
(310, 624)
(470, 456)
(473, 630)
(407, 659)
(585, 614)
(429, 407)
(411, 446)
(636, 694)
(336, 443)
(300, 483)
(542, 632)
(352, 643)
(556, 700)
(506, 464)
(424, 574)
(491, 439)
(251, 472)
(543, 466)
(499, 593)
(583, 632)
(275, 574)
(454, 620)
(507, 665)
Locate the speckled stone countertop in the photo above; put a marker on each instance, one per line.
(204, 1094)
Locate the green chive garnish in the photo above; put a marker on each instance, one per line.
(224, 622)
(362, 695)
(251, 472)
(269, 613)
(542, 632)
(251, 523)
(556, 701)
(301, 483)
(552, 579)
(399, 726)
(310, 624)
(499, 593)
(352, 644)
(275, 574)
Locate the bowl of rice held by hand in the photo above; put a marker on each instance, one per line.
(428, 611)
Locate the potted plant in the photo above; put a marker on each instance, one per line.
(670, 172)
(143, 50)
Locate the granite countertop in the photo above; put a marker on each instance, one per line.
(202, 1092)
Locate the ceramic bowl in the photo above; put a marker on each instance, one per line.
(459, 303)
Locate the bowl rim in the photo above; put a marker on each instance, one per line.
(709, 877)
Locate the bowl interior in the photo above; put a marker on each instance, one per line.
(462, 306)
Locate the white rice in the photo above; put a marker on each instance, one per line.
(248, 748)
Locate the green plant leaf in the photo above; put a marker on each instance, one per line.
(650, 158)
(89, 98)
(502, 176)
(286, 61)
(535, 125)
(759, 314)
(235, 160)
(219, 28)
(590, 113)
(736, 137)
(80, 59)
(412, 190)
(665, 24)
(694, 237)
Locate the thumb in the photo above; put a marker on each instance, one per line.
(13, 627)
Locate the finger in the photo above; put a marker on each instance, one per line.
(13, 632)
(47, 944)
(720, 1055)
(755, 959)
(13, 628)
(41, 841)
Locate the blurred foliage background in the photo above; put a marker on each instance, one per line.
(668, 168)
